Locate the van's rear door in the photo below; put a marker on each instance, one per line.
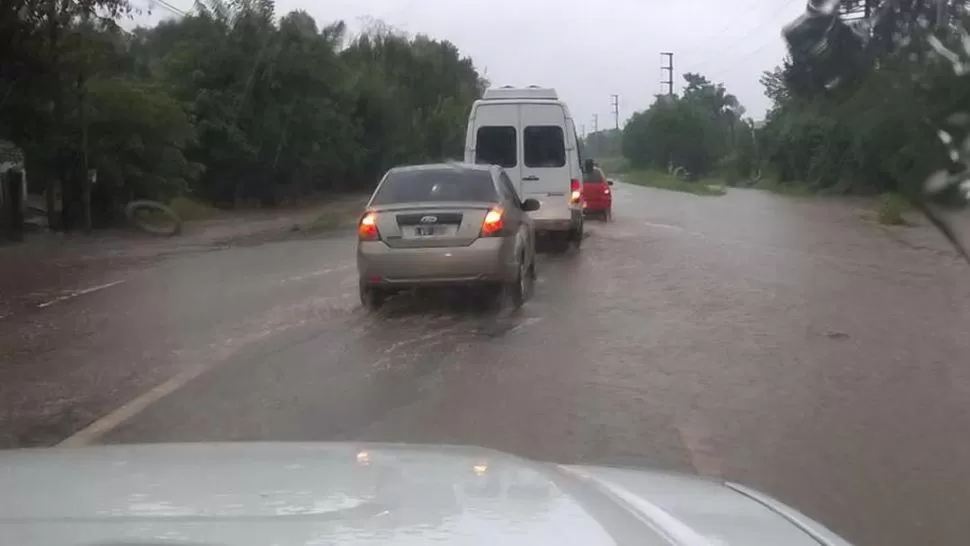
(545, 169)
(496, 138)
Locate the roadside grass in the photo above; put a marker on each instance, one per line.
(342, 213)
(890, 209)
(665, 181)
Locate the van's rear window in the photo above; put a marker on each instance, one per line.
(436, 186)
(495, 145)
(544, 146)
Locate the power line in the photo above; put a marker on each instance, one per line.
(761, 26)
(166, 6)
(170, 7)
(719, 32)
(738, 61)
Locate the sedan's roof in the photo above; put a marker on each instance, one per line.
(455, 165)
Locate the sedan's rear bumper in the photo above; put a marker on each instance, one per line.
(489, 259)
(598, 205)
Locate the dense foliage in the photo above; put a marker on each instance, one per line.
(701, 129)
(857, 107)
(604, 143)
(862, 113)
(229, 102)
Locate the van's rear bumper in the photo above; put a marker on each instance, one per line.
(543, 225)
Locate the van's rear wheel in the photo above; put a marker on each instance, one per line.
(576, 236)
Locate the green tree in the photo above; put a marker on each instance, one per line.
(45, 58)
(693, 130)
(230, 102)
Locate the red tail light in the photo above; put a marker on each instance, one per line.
(576, 191)
(494, 223)
(367, 228)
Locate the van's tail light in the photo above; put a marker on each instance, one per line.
(367, 228)
(576, 191)
(494, 223)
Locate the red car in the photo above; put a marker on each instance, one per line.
(597, 194)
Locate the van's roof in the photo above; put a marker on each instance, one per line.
(532, 92)
(487, 102)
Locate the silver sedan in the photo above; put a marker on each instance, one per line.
(446, 225)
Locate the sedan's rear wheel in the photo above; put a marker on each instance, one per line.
(519, 288)
(371, 297)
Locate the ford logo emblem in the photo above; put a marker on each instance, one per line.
(429, 219)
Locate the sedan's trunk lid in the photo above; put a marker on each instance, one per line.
(420, 225)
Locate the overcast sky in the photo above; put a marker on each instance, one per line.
(587, 50)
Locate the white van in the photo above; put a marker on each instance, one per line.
(531, 134)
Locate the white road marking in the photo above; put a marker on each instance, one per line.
(525, 323)
(663, 226)
(318, 273)
(76, 293)
(99, 428)
(102, 426)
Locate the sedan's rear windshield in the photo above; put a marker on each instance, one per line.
(436, 186)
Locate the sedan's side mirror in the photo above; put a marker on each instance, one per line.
(531, 204)
(609, 181)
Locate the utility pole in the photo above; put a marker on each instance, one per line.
(594, 137)
(615, 100)
(582, 131)
(669, 70)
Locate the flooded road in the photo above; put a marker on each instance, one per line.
(787, 345)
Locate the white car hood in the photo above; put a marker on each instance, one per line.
(310, 493)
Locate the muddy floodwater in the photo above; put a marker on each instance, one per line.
(790, 345)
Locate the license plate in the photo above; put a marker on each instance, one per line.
(428, 231)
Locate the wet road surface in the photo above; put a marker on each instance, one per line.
(784, 344)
